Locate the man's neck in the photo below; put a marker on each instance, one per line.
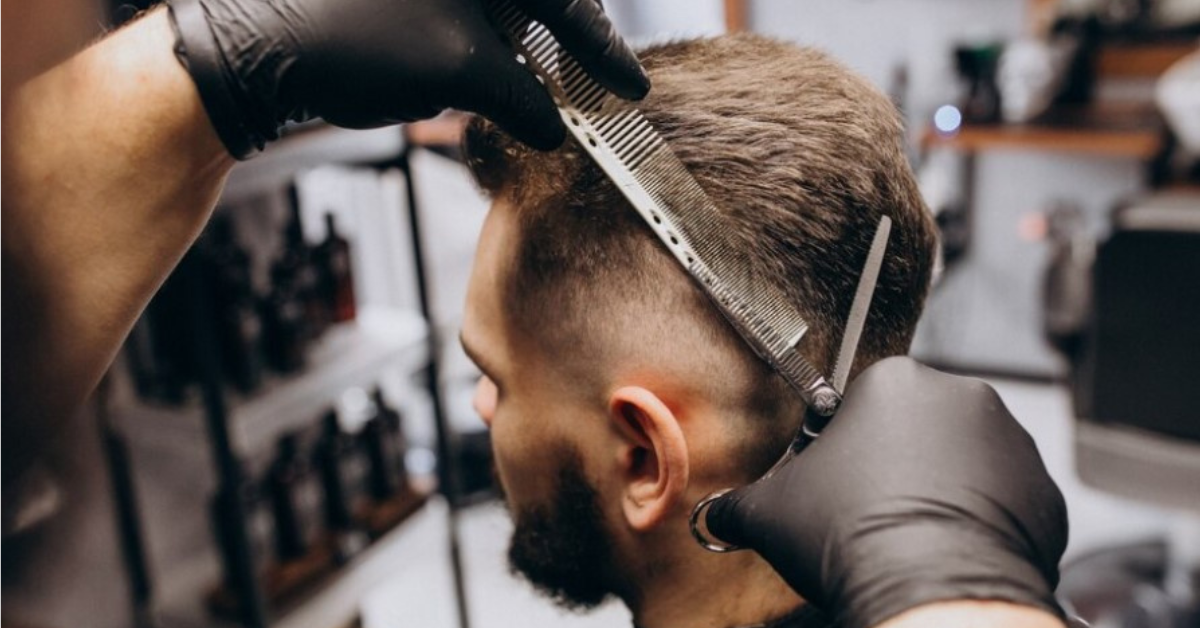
(699, 589)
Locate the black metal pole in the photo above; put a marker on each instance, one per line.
(129, 527)
(239, 567)
(447, 461)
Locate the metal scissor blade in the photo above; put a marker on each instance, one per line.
(861, 305)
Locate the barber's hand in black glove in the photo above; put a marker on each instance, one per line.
(369, 63)
(922, 489)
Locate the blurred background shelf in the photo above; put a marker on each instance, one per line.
(332, 601)
(308, 146)
(1135, 59)
(1114, 131)
(348, 355)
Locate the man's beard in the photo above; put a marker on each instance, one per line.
(564, 547)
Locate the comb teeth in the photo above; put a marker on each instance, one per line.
(632, 153)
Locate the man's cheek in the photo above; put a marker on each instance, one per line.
(498, 481)
(519, 471)
(507, 468)
(498, 471)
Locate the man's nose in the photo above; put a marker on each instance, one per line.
(485, 399)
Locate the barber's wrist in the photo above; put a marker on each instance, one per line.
(975, 614)
(243, 125)
(914, 563)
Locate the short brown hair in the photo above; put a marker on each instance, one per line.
(804, 157)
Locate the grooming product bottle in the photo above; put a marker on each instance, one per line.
(239, 330)
(171, 339)
(394, 422)
(295, 500)
(336, 280)
(385, 472)
(334, 456)
(303, 264)
(257, 521)
(284, 336)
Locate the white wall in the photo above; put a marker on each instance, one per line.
(874, 37)
(641, 21)
(986, 314)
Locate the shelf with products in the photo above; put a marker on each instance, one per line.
(252, 343)
(380, 345)
(307, 146)
(348, 355)
(1141, 59)
(1130, 131)
(332, 599)
(300, 589)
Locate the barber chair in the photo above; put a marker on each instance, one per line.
(1134, 356)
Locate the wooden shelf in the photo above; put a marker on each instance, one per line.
(1140, 60)
(331, 600)
(293, 586)
(345, 357)
(1131, 132)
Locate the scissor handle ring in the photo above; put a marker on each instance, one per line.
(711, 544)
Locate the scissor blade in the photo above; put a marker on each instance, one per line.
(861, 305)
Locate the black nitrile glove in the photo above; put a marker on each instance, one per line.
(922, 489)
(370, 63)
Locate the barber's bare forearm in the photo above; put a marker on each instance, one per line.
(110, 170)
(973, 614)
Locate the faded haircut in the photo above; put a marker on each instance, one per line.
(803, 157)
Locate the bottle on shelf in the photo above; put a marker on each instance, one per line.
(295, 500)
(239, 328)
(336, 280)
(977, 64)
(298, 262)
(386, 475)
(334, 459)
(257, 521)
(171, 351)
(283, 318)
(394, 422)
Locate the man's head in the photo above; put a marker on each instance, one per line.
(606, 366)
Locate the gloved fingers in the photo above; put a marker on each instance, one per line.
(727, 517)
(586, 32)
(509, 95)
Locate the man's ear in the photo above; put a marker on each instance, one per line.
(653, 457)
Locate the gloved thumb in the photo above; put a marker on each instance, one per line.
(759, 518)
(728, 516)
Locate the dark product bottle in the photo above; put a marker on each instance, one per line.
(239, 328)
(298, 262)
(977, 65)
(336, 280)
(395, 428)
(898, 88)
(333, 456)
(171, 345)
(383, 441)
(257, 522)
(283, 319)
(295, 500)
